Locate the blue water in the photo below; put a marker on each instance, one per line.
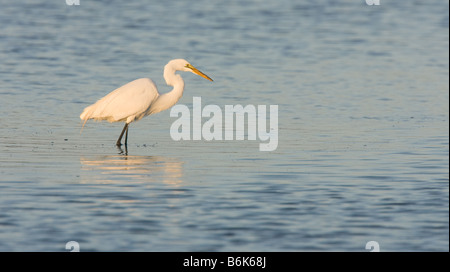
(362, 91)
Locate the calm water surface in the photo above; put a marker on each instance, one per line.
(363, 152)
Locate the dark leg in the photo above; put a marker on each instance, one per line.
(121, 151)
(126, 138)
(121, 134)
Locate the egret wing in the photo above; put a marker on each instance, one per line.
(126, 103)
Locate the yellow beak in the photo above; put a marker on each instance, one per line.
(198, 72)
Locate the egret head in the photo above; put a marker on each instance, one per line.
(183, 65)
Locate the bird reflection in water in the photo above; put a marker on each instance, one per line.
(132, 168)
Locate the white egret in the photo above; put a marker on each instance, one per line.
(140, 98)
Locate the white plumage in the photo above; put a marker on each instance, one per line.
(140, 98)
